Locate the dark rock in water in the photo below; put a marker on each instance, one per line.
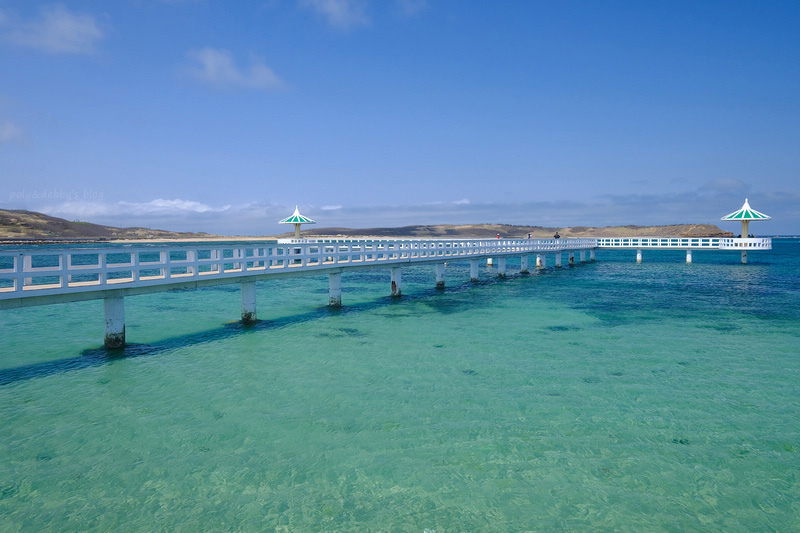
(685, 442)
(469, 372)
(563, 328)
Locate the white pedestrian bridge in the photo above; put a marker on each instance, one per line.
(42, 275)
(742, 245)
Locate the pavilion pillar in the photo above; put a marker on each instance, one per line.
(558, 259)
(248, 302)
(114, 317)
(489, 261)
(523, 264)
(440, 275)
(571, 257)
(689, 255)
(583, 256)
(591, 254)
(540, 261)
(473, 269)
(501, 267)
(335, 289)
(745, 234)
(397, 280)
(639, 255)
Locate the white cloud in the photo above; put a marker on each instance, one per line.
(161, 206)
(56, 30)
(9, 132)
(218, 67)
(410, 8)
(724, 186)
(86, 210)
(331, 207)
(342, 14)
(463, 201)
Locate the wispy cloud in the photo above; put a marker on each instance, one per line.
(160, 205)
(342, 14)
(218, 67)
(410, 8)
(9, 132)
(56, 30)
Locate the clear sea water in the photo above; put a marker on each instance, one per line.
(611, 395)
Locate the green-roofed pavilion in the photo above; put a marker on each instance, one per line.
(745, 215)
(297, 219)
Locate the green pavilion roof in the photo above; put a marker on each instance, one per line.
(746, 213)
(297, 218)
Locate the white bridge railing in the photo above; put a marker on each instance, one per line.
(752, 243)
(53, 272)
(686, 243)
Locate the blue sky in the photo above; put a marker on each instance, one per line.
(220, 116)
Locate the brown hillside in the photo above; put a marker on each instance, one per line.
(19, 225)
(510, 231)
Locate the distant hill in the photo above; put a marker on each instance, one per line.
(18, 225)
(510, 231)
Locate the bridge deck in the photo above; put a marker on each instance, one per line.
(37, 277)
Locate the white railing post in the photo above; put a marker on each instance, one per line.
(63, 266)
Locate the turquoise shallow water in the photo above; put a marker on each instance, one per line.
(608, 396)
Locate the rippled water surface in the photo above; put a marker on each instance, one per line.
(608, 395)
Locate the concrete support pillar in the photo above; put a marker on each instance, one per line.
(688, 256)
(489, 261)
(501, 267)
(440, 275)
(473, 269)
(523, 264)
(335, 289)
(114, 316)
(638, 256)
(540, 261)
(571, 257)
(558, 259)
(248, 302)
(591, 254)
(397, 280)
(744, 257)
(583, 256)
